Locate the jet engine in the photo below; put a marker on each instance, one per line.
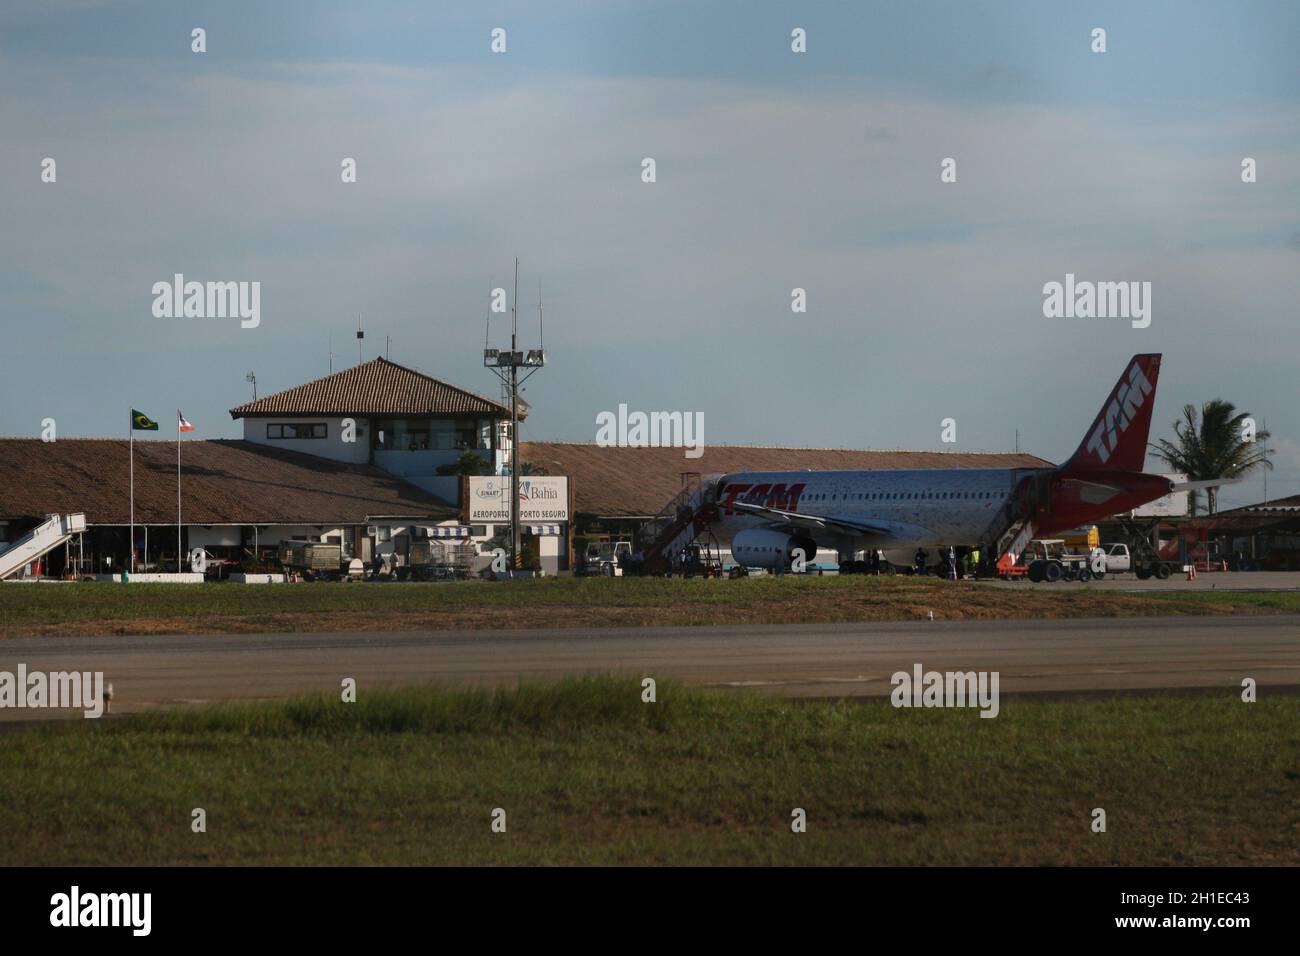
(761, 548)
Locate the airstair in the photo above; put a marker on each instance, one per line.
(1015, 538)
(1014, 527)
(681, 521)
(40, 541)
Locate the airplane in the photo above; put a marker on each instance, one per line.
(768, 515)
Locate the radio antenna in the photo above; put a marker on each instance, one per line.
(506, 366)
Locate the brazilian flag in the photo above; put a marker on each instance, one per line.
(141, 422)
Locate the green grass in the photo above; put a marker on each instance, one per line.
(1283, 602)
(588, 774)
(107, 608)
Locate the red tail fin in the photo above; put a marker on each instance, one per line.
(1118, 437)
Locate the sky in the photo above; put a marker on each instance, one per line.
(775, 170)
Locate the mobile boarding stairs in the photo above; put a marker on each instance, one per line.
(40, 541)
(681, 521)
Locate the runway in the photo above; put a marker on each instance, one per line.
(1205, 581)
(1110, 655)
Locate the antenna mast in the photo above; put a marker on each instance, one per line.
(1264, 422)
(506, 365)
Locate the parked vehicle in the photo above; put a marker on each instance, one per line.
(430, 559)
(1082, 539)
(1048, 559)
(603, 557)
(212, 567)
(315, 559)
(1120, 559)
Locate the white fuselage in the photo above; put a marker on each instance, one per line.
(920, 508)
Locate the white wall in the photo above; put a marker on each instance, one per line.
(197, 536)
(424, 462)
(446, 487)
(331, 446)
(274, 534)
(225, 536)
(548, 552)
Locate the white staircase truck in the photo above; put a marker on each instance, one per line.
(40, 541)
(1015, 538)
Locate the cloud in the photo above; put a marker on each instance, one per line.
(922, 295)
(997, 79)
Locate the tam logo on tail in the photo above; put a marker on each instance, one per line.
(1118, 436)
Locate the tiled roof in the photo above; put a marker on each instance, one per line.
(222, 482)
(1279, 505)
(379, 387)
(615, 481)
(1279, 514)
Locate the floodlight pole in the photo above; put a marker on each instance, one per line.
(506, 366)
(514, 428)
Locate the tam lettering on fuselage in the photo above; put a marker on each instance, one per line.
(769, 495)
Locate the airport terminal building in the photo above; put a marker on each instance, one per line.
(373, 458)
(367, 458)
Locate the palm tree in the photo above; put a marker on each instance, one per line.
(1210, 446)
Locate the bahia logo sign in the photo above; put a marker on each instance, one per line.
(533, 491)
(540, 499)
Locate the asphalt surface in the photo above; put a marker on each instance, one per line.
(1205, 581)
(1103, 655)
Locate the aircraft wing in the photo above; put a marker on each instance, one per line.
(1210, 483)
(813, 523)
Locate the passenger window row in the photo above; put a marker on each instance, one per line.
(911, 496)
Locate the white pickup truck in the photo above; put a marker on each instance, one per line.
(603, 557)
(1119, 560)
(1049, 560)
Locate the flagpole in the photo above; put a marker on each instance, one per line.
(131, 454)
(178, 493)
